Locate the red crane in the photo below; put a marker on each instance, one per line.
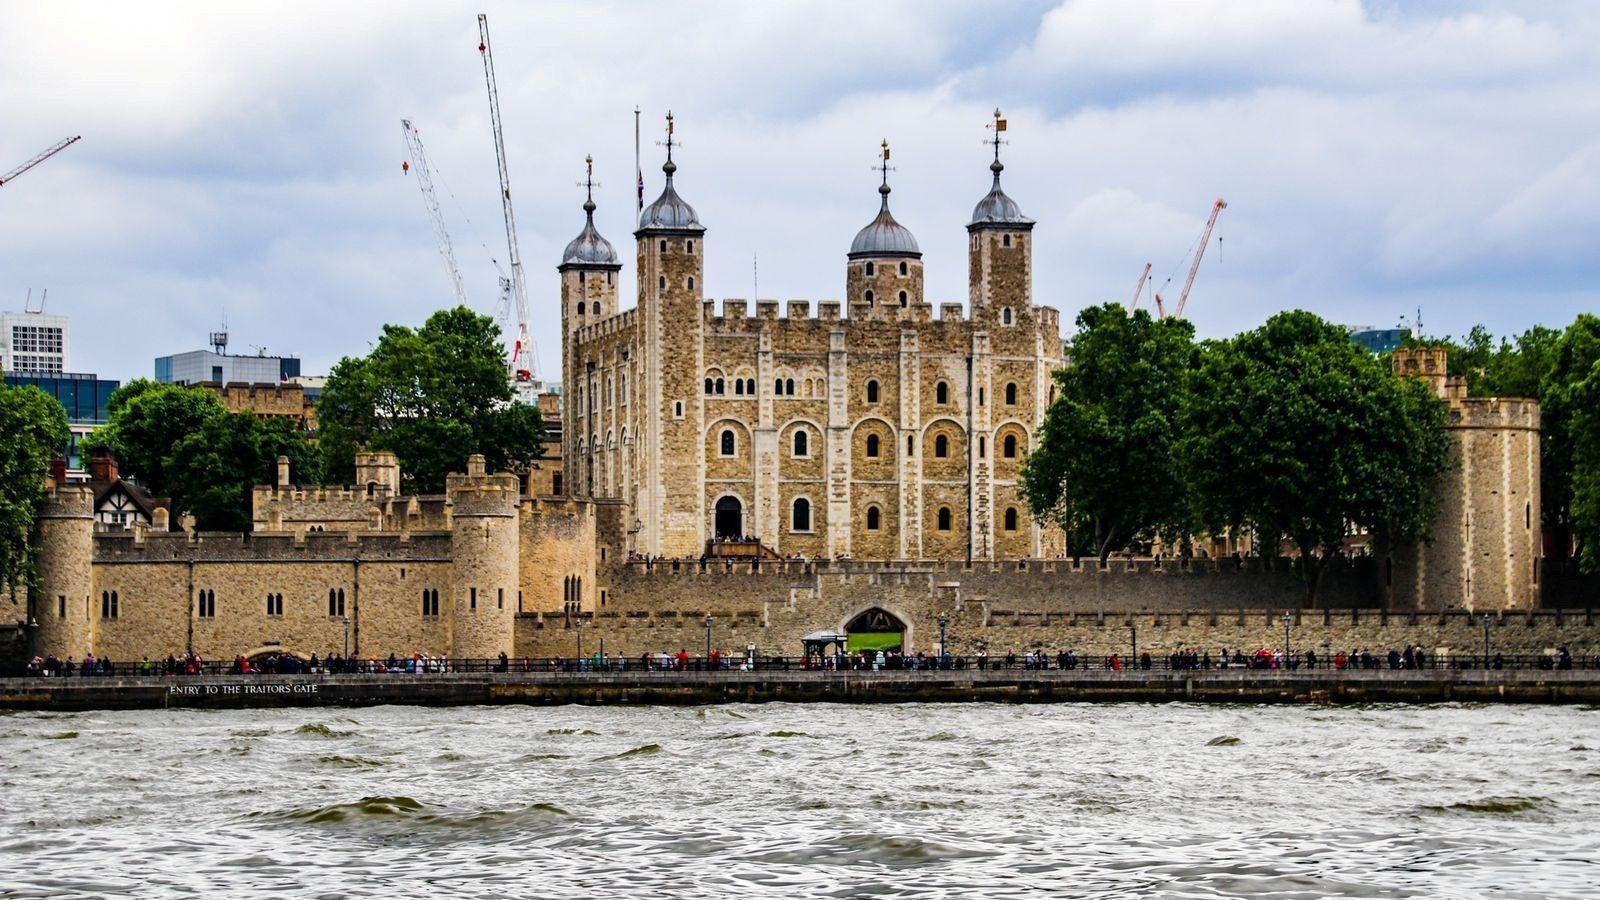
(1138, 289)
(56, 148)
(1194, 268)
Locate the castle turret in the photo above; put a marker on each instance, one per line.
(63, 608)
(483, 545)
(671, 497)
(588, 270)
(885, 263)
(999, 251)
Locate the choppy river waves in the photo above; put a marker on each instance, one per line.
(803, 801)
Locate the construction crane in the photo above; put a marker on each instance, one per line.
(419, 161)
(523, 363)
(1194, 268)
(54, 149)
(1138, 289)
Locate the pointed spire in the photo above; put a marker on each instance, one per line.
(996, 209)
(670, 211)
(589, 248)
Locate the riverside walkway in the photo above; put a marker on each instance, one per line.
(733, 686)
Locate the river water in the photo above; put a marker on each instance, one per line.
(803, 801)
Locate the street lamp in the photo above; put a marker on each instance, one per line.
(1133, 632)
(708, 642)
(33, 637)
(1486, 623)
(346, 637)
(577, 629)
(944, 622)
(1286, 620)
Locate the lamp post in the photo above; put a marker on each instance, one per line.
(346, 637)
(577, 630)
(33, 637)
(708, 642)
(1133, 633)
(1486, 623)
(1286, 620)
(944, 622)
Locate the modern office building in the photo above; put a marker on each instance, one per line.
(83, 396)
(33, 343)
(1381, 340)
(201, 366)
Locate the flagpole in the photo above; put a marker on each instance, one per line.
(638, 171)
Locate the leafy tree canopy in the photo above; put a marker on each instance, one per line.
(214, 469)
(1296, 431)
(1104, 466)
(1570, 438)
(432, 396)
(33, 431)
(146, 422)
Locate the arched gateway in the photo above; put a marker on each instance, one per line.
(875, 629)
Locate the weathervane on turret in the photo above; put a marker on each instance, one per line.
(669, 167)
(588, 184)
(884, 169)
(997, 126)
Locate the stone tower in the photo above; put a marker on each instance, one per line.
(884, 271)
(1483, 550)
(483, 547)
(1005, 326)
(65, 608)
(671, 499)
(588, 270)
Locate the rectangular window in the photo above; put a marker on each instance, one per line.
(499, 598)
(555, 483)
(61, 601)
(474, 602)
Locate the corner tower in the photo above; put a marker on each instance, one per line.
(588, 270)
(671, 499)
(885, 263)
(999, 251)
(483, 548)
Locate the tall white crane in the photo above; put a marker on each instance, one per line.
(524, 363)
(52, 150)
(424, 170)
(1138, 289)
(1194, 268)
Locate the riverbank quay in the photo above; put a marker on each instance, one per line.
(675, 688)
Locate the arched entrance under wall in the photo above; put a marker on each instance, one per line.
(875, 629)
(729, 518)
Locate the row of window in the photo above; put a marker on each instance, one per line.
(800, 517)
(728, 445)
(206, 601)
(872, 268)
(716, 386)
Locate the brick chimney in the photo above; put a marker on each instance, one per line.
(102, 467)
(58, 471)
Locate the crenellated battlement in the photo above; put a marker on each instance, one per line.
(621, 322)
(330, 546)
(736, 313)
(1495, 412)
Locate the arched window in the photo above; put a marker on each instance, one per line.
(1011, 394)
(983, 447)
(1005, 315)
(777, 386)
(738, 386)
(1005, 240)
(1011, 518)
(662, 281)
(871, 270)
(788, 386)
(597, 307)
(709, 385)
(867, 296)
(582, 308)
(721, 387)
(801, 444)
(903, 299)
(663, 246)
(941, 446)
(800, 520)
(872, 392)
(677, 409)
(944, 518)
(941, 393)
(874, 518)
(911, 445)
(1011, 446)
(333, 605)
(691, 282)
(902, 268)
(872, 446)
(750, 386)
(727, 442)
(688, 246)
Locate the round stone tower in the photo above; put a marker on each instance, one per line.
(483, 546)
(63, 608)
(885, 263)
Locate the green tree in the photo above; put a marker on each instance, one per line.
(1503, 367)
(1570, 455)
(214, 469)
(33, 431)
(432, 396)
(146, 421)
(1295, 431)
(1104, 467)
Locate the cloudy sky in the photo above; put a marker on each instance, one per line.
(244, 162)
